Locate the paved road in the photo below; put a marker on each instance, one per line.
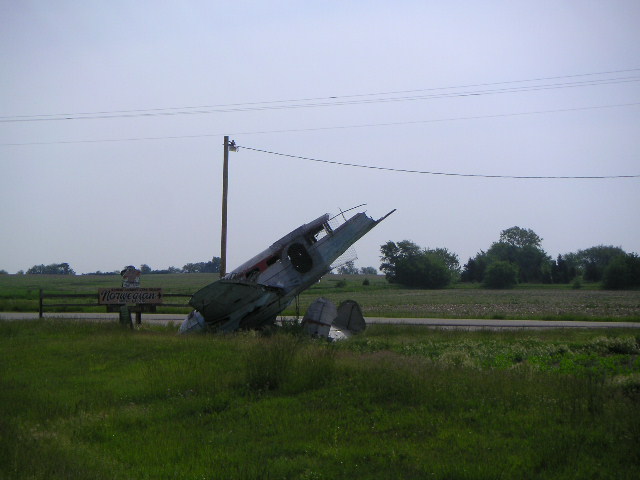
(469, 324)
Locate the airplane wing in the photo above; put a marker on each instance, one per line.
(227, 300)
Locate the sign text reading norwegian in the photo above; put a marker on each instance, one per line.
(129, 295)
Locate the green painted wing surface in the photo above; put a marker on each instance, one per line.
(220, 300)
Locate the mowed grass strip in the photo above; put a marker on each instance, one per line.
(81, 401)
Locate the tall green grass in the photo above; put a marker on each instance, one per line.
(81, 401)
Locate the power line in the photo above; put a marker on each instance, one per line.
(331, 103)
(335, 127)
(423, 172)
(355, 99)
(115, 140)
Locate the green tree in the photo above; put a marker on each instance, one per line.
(474, 269)
(622, 272)
(520, 237)
(531, 261)
(518, 246)
(591, 262)
(450, 260)
(52, 269)
(368, 271)
(203, 267)
(392, 253)
(501, 274)
(168, 270)
(503, 251)
(533, 265)
(423, 271)
(348, 268)
(191, 268)
(561, 271)
(408, 264)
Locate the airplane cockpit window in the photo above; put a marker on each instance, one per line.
(300, 258)
(314, 235)
(318, 233)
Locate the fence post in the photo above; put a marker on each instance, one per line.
(40, 309)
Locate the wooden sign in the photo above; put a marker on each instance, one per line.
(123, 296)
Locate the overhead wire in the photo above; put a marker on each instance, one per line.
(334, 127)
(354, 99)
(392, 92)
(449, 174)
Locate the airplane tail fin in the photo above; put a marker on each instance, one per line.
(319, 317)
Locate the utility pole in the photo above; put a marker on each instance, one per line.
(225, 186)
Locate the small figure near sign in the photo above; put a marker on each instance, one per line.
(130, 277)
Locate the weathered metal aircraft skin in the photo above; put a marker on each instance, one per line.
(252, 295)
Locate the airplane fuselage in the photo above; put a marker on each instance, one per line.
(253, 294)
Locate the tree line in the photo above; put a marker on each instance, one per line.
(349, 268)
(53, 269)
(212, 266)
(517, 257)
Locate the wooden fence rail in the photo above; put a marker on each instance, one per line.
(42, 306)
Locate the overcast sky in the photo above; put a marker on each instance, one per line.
(130, 173)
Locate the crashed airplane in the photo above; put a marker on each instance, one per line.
(252, 295)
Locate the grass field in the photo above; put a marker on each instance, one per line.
(95, 401)
(378, 299)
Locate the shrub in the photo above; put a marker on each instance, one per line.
(500, 274)
(613, 345)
